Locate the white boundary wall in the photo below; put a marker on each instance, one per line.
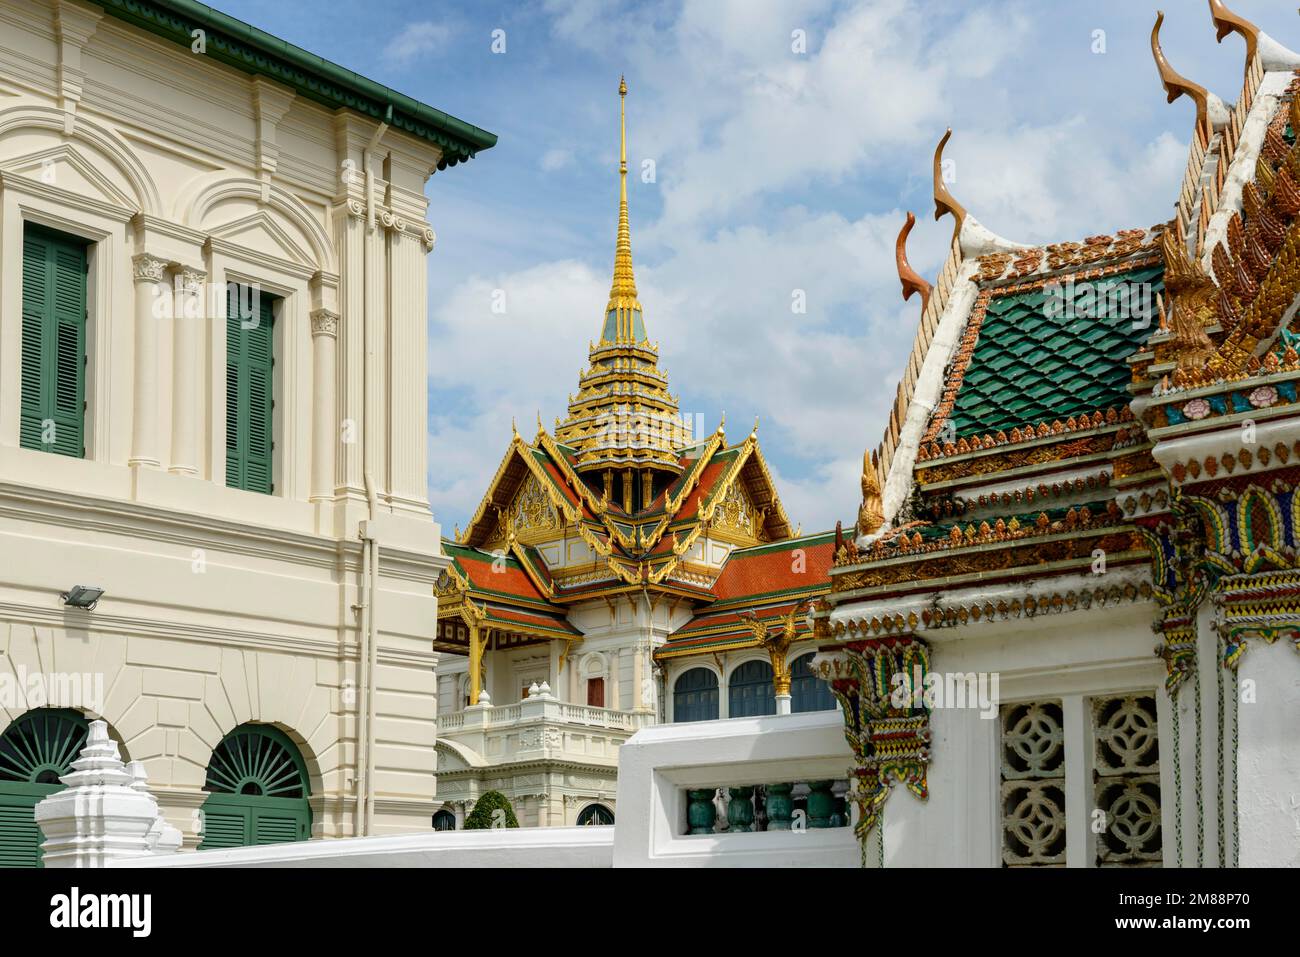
(656, 767)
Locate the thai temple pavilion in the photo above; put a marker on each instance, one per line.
(620, 571)
(1094, 452)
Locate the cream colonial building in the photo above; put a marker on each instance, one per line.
(213, 407)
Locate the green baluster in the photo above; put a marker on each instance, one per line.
(840, 817)
(700, 812)
(779, 807)
(821, 803)
(740, 809)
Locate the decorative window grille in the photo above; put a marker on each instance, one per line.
(1126, 781)
(1033, 785)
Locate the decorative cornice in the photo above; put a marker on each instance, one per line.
(252, 51)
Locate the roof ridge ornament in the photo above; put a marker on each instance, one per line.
(1225, 22)
(871, 513)
(1176, 84)
(944, 202)
(909, 277)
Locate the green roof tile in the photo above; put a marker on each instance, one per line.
(1035, 362)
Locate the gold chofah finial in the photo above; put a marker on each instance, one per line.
(1175, 83)
(909, 277)
(514, 427)
(943, 200)
(1225, 22)
(871, 514)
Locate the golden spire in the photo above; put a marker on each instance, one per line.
(620, 324)
(623, 416)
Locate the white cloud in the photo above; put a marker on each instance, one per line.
(417, 39)
(555, 159)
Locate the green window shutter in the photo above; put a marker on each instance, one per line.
(20, 837)
(250, 364)
(279, 827)
(53, 342)
(224, 827)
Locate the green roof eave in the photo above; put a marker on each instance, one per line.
(253, 51)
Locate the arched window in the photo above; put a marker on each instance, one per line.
(596, 814)
(807, 691)
(444, 821)
(750, 691)
(258, 788)
(35, 751)
(695, 696)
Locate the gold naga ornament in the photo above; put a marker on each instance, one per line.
(1194, 304)
(871, 513)
(779, 643)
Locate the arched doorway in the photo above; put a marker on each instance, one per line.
(750, 692)
(444, 821)
(258, 788)
(35, 751)
(596, 814)
(695, 696)
(807, 691)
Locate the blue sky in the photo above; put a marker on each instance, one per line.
(775, 171)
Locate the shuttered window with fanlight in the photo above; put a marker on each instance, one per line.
(250, 364)
(53, 342)
(36, 751)
(259, 790)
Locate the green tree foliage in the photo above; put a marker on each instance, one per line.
(482, 817)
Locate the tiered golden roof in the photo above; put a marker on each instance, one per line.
(623, 415)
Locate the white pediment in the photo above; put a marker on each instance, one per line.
(66, 167)
(259, 232)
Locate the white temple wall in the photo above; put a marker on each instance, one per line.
(1268, 778)
(1067, 658)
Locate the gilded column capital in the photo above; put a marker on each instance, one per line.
(324, 322)
(148, 268)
